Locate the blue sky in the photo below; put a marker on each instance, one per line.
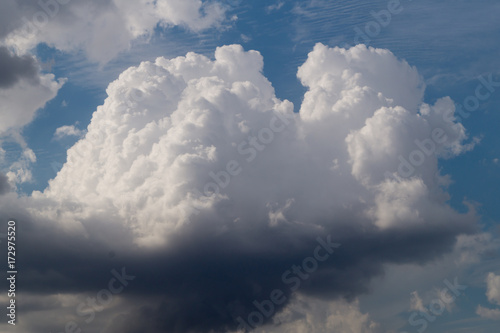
(453, 45)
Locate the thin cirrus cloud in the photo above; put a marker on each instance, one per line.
(209, 187)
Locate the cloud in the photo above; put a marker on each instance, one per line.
(13, 68)
(305, 315)
(277, 6)
(493, 314)
(191, 116)
(10, 17)
(416, 302)
(19, 171)
(19, 104)
(493, 293)
(64, 131)
(24, 90)
(105, 28)
(4, 184)
(210, 189)
(20, 101)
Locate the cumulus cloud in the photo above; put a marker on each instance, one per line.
(67, 130)
(192, 116)
(104, 28)
(210, 188)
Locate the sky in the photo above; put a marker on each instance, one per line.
(250, 166)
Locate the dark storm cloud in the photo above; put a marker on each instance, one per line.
(204, 281)
(13, 68)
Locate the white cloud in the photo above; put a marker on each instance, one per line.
(276, 6)
(307, 314)
(169, 128)
(64, 131)
(19, 103)
(493, 294)
(416, 302)
(493, 314)
(470, 248)
(493, 284)
(105, 28)
(20, 170)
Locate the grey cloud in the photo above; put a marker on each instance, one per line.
(4, 184)
(9, 17)
(13, 68)
(204, 280)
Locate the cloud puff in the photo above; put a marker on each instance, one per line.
(305, 315)
(64, 131)
(493, 314)
(104, 28)
(211, 188)
(493, 293)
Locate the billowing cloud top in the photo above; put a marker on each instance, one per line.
(189, 135)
